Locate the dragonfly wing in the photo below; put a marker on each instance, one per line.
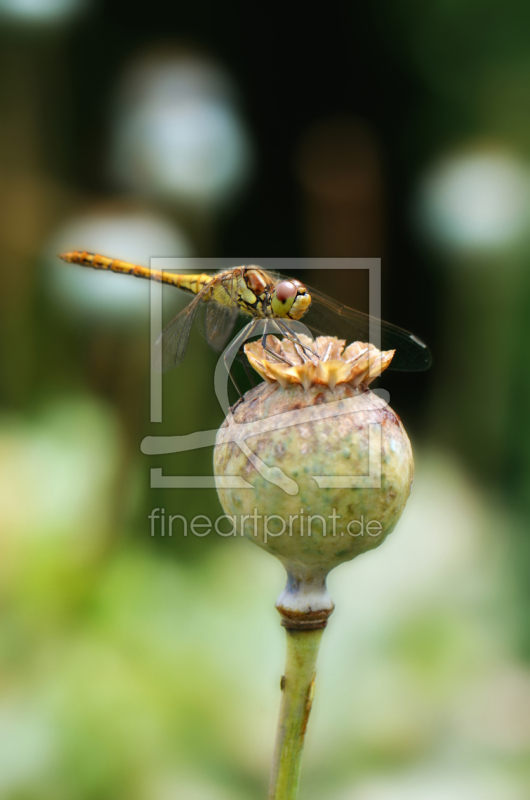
(217, 317)
(216, 323)
(331, 318)
(171, 345)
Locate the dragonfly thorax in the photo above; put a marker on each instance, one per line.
(256, 280)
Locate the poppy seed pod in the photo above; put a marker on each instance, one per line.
(315, 467)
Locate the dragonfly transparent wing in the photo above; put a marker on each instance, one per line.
(170, 347)
(215, 310)
(330, 318)
(216, 323)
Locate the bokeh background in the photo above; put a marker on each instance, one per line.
(147, 668)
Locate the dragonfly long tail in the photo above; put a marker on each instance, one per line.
(190, 283)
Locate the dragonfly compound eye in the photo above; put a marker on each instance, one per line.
(283, 297)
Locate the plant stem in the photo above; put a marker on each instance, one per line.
(298, 688)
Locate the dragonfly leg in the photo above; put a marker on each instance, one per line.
(271, 352)
(229, 367)
(234, 383)
(291, 335)
(236, 404)
(233, 351)
(251, 375)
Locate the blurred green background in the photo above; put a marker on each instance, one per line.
(147, 668)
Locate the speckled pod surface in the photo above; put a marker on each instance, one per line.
(295, 441)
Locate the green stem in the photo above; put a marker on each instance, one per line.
(298, 688)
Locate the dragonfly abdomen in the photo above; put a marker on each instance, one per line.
(189, 283)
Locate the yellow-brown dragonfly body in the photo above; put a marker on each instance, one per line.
(252, 286)
(250, 290)
(190, 283)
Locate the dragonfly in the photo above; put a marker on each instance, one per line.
(220, 298)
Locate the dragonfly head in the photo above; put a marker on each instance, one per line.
(290, 299)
